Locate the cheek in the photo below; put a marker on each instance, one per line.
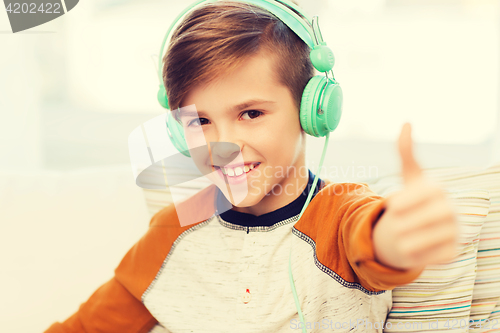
(195, 137)
(198, 149)
(280, 143)
(267, 139)
(286, 133)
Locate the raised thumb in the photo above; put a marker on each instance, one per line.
(410, 169)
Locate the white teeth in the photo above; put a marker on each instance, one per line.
(238, 171)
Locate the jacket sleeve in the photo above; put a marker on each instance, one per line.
(111, 309)
(340, 221)
(361, 215)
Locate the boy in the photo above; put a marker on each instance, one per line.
(245, 71)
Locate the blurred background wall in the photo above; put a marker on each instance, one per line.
(73, 89)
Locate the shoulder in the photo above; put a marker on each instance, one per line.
(188, 212)
(345, 192)
(334, 203)
(139, 266)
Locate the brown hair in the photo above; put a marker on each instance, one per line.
(215, 38)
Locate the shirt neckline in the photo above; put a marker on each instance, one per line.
(271, 218)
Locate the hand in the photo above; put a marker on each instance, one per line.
(419, 226)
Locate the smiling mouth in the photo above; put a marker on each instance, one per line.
(237, 171)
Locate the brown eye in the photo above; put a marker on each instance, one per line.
(196, 122)
(252, 114)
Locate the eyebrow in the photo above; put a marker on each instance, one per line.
(238, 107)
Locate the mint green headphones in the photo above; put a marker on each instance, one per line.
(321, 105)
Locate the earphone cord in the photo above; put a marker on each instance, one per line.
(292, 283)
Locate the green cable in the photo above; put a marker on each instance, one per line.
(292, 283)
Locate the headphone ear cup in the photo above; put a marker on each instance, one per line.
(315, 124)
(306, 105)
(176, 135)
(332, 105)
(162, 96)
(309, 105)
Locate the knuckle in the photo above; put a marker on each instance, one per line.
(456, 234)
(451, 231)
(452, 217)
(447, 215)
(451, 253)
(454, 221)
(390, 203)
(437, 192)
(394, 205)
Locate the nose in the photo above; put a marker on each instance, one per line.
(225, 149)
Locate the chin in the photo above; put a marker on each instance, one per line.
(248, 200)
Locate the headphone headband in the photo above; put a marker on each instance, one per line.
(280, 8)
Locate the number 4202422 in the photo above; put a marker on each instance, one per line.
(26, 8)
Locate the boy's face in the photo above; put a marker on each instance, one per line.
(267, 131)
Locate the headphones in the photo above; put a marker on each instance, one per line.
(321, 104)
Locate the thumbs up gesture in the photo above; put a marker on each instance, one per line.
(419, 226)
